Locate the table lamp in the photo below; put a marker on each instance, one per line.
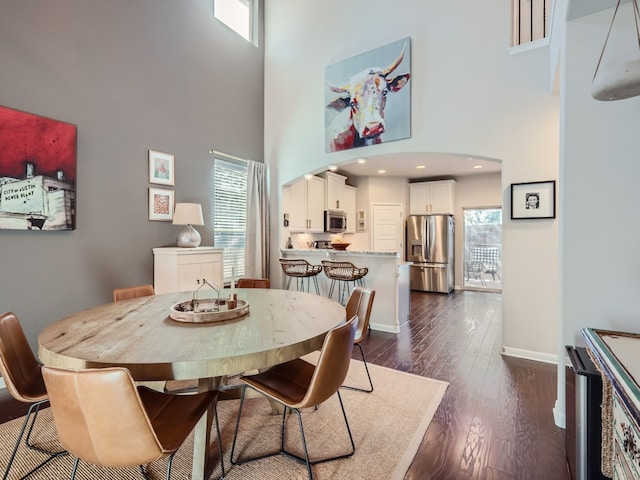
(188, 214)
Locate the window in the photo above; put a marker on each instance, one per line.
(529, 21)
(238, 15)
(483, 249)
(230, 213)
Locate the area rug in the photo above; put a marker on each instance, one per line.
(387, 426)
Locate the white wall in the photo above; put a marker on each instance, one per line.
(469, 96)
(600, 164)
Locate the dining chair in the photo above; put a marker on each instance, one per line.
(360, 303)
(254, 283)
(104, 419)
(127, 293)
(22, 375)
(298, 384)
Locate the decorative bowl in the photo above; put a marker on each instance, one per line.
(339, 245)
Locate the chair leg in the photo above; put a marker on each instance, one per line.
(239, 461)
(32, 414)
(282, 450)
(370, 389)
(75, 468)
(215, 415)
(331, 287)
(315, 281)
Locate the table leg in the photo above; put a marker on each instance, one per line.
(202, 434)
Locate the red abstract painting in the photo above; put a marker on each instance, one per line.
(37, 172)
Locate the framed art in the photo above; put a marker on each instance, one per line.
(533, 200)
(37, 172)
(161, 168)
(161, 204)
(375, 82)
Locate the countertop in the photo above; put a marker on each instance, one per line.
(331, 251)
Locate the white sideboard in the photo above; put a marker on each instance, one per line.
(177, 269)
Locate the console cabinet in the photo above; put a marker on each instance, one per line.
(177, 269)
(617, 355)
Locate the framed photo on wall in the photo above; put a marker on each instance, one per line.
(161, 168)
(533, 200)
(161, 204)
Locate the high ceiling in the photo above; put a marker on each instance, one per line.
(436, 165)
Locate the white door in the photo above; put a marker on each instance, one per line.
(388, 227)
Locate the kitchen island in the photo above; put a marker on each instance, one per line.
(388, 275)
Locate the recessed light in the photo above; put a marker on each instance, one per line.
(307, 176)
(362, 160)
(382, 171)
(419, 167)
(478, 166)
(333, 168)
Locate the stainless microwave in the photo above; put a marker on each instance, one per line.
(335, 221)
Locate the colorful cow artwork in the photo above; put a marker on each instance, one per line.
(362, 102)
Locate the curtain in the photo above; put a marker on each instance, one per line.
(256, 248)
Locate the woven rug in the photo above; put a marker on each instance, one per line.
(387, 426)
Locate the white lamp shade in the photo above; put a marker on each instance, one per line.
(188, 214)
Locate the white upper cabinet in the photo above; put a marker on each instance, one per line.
(334, 190)
(432, 197)
(306, 205)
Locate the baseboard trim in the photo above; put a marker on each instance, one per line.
(559, 417)
(383, 328)
(530, 355)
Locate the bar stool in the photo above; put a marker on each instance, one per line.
(300, 269)
(343, 272)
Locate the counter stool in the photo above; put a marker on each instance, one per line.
(300, 269)
(343, 272)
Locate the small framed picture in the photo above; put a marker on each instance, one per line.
(161, 168)
(161, 204)
(533, 200)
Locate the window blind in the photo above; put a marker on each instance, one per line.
(230, 213)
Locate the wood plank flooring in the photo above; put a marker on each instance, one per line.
(495, 421)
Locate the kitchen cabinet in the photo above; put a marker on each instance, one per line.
(306, 205)
(350, 207)
(334, 189)
(177, 269)
(432, 197)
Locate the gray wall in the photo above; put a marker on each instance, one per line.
(133, 76)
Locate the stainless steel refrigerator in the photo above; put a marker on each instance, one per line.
(430, 247)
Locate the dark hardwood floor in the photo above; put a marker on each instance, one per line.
(495, 421)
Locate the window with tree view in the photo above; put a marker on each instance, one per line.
(483, 248)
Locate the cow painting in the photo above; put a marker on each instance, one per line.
(361, 103)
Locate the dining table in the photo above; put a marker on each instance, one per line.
(140, 334)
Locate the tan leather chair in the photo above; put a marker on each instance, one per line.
(23, 377)
(120, 294)
(104, 419)
(360, 304)
(298, 384)
(254, 283)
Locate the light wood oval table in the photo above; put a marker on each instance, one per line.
(139, 334)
